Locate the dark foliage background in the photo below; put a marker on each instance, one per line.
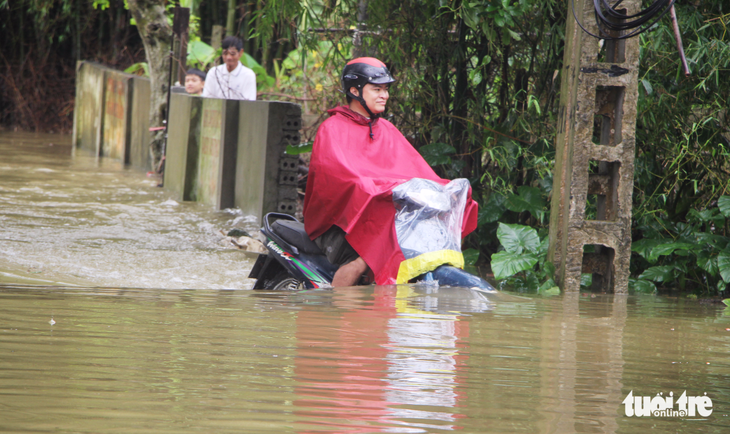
(42, 40)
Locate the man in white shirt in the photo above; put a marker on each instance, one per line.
(231, 80)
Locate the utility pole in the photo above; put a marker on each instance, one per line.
(590, 220)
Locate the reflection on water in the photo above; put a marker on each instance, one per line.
(355, 360)
(82, 220)
(383, 363)
(98, 358)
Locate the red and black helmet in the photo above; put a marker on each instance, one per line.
(363, 70)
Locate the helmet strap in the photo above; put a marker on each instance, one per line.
(362, 102)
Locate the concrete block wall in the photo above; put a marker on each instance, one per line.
(230, 153)
(595, 149)
(225, 153)
(266, 177)
(111, 115)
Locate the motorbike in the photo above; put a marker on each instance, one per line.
(295, 262)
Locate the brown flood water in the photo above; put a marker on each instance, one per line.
(116, 315)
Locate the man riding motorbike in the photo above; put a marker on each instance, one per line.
(358, 158)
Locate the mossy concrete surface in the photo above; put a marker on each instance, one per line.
(590, 222)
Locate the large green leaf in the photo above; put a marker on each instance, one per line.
(548, 270)
(723, 264)
(586, 280)
(644, 246)
(718, 242)
(200, 53)
(707, 262)
(663, 273)
(263, 79)
(531, 281)
(552, 291)
(548, 285)
(724, 204)
(702, 216)
(518, 238)
(437, 153)
(527, 199)
(506, 264)
(299, 149)
(642, 286)
(470, 256)
(249, 62)
(491, 211)
(142, 67)
(669, 248)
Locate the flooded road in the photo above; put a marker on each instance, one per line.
(87, 221)
(359, 360)
(116, 316)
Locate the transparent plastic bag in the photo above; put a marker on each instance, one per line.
(429, 215)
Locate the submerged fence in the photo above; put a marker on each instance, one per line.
(225, 153)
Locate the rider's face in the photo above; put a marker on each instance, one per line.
(376, 96)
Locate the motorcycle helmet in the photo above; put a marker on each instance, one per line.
(361, 71)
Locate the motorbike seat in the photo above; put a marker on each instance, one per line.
(293, 233)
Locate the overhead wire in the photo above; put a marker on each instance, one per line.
(614, 21)
(610, 18)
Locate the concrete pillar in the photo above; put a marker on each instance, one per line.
(139, 143)
(594, 165)
(89, 107)
(116, 123)
(216, 171)
(266, 177)
(181, 159)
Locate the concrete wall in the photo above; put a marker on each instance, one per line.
(229, 153)
(111, 115)
(225, 153)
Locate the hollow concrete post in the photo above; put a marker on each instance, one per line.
(590, 220)
(266, 176)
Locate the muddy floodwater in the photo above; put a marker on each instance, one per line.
(88, 221)
(122, 312)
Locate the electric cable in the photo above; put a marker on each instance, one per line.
(608, 18)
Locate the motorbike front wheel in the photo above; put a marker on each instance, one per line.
(284, 282)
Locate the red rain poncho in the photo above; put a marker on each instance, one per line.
(350, 184)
